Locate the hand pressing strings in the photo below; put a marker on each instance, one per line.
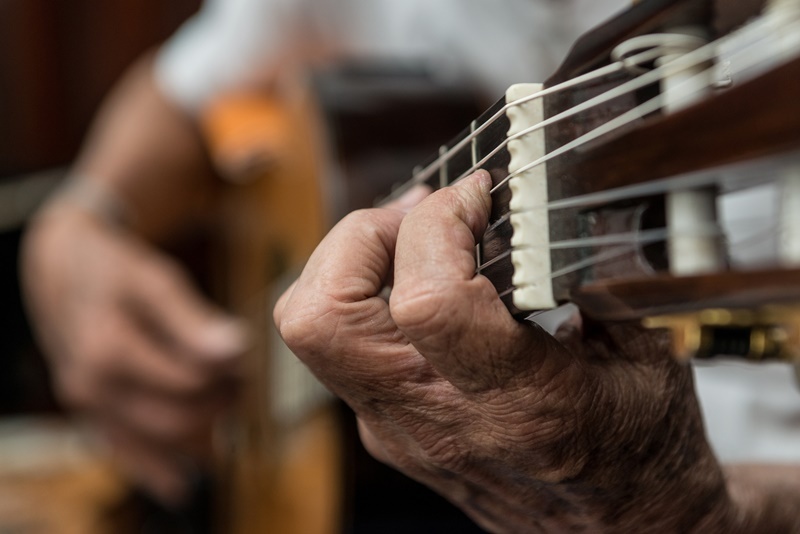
(595, 428)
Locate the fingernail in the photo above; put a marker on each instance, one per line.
(484, 180)
(226, 337)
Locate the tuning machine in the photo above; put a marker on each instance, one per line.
(766, 333)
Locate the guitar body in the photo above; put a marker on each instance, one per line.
(277, 476)
(296, 160)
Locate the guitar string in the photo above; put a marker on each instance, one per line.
(634, 238)
(746, 58)
(625, 88)
(434, 167)
(650, 237)
(641, 237)
(431, 169)
(630, 86)
(697, 56)
(757, 237)
(590, 261)
(756, 55)
(620, 121)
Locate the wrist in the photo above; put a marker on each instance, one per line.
(73, 212)
(86, 198)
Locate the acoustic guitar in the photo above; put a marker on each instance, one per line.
(607, 180)
(297, 159)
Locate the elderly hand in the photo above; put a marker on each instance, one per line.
(132, 344)
(595, 429)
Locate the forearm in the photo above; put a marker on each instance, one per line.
(149, 155)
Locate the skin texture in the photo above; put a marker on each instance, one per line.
(594, 430)
(133, 346)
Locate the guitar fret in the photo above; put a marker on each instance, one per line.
(443, 179)
(474, 144)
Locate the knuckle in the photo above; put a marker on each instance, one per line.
(365, 218)
(294, 333)
(308, 331)
(425, 315)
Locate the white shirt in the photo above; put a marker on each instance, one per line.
(495, 43)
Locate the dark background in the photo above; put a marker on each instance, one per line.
(58, 58)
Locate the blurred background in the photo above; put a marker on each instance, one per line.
(57, 61)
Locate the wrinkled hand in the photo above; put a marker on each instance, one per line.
(131, 344)
(595, 429)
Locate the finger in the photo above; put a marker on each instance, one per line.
(454, 318)
(444, 230)
(404, 203)
(165, 420)
(115, 349)
(142, 361)
(334, 319)
(167, 303)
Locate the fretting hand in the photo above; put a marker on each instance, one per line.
(596, 428)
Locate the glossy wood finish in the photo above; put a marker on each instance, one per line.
(757, 119)
(616, 300)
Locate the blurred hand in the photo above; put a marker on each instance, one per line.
(131, 344)
(596, 429)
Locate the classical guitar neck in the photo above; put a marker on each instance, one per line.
(608, 178)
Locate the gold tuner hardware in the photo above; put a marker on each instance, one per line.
(767, 333)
